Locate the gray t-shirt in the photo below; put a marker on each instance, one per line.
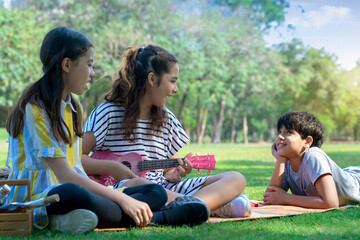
(315, 164)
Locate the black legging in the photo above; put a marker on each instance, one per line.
(108, 212)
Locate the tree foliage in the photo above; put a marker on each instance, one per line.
(232, 87)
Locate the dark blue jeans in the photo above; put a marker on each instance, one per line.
(108, 212)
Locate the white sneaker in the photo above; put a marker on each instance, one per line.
(75, 222)
(239, 207)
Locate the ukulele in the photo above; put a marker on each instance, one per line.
(140, 166)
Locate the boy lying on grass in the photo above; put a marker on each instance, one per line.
(315, 180)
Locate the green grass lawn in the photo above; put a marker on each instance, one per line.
(3, 146)
(255, 163)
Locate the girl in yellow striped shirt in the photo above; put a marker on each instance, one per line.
(45, 147)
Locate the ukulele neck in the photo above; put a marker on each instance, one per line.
(158, 164)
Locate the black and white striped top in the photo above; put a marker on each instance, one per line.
(105, 121)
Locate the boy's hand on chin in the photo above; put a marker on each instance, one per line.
(274, 196)
(276, 154)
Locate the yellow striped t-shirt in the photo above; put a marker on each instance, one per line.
(36, 142)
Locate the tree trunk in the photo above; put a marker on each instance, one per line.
(245, 130)
(85, 104)
(203, 125)
(261, 136)
(356, 131)
(218, 126)
(273, 133)
(233, 131)
(198, 119)
(214, 122)
(182, 105)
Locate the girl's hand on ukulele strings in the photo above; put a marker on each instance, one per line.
(177, 174)
(186, 165)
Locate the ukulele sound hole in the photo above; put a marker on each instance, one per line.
(126, 163)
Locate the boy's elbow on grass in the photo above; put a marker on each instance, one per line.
(331, 204)
(327, 205)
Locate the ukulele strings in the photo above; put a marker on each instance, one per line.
(158, 164)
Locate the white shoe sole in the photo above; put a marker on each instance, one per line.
(75, 222)
(238, 207)
(247, 205)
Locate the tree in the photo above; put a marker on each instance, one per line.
(296, 78)
(264, 13)
(323, 92)
(227, 41)
(311, 83)
(230, 83)
(347, 115)
(20, 38)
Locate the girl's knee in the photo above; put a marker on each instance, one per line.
(159, 191)
(236, 176)
(237, 179)
(66, 188)
(71, 196)
(70, 192)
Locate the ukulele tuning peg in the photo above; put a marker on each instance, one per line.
(198, 172)
(209, 172)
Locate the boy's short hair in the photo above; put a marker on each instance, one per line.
(305, 124)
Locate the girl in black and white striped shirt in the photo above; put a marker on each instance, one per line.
(133, 118)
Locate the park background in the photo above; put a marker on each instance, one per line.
(233, 87)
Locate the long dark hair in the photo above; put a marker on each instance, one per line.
(46, 92)
(129, 88)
